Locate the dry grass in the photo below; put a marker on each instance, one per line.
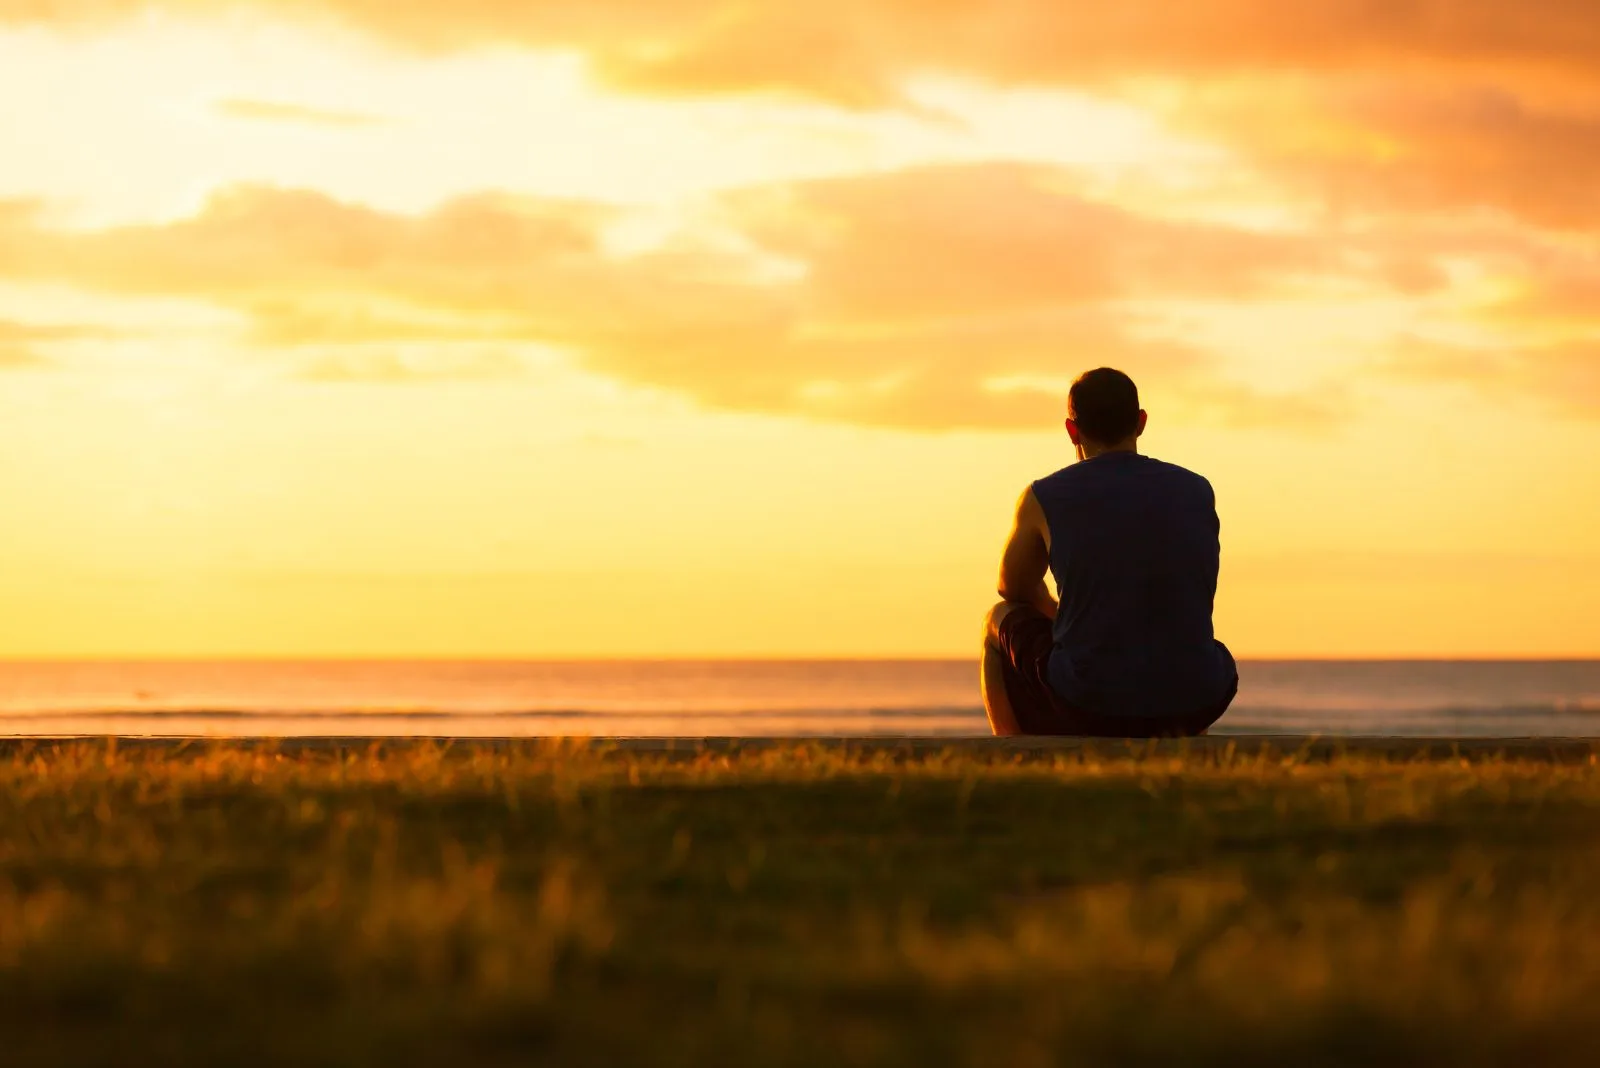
(797, 904)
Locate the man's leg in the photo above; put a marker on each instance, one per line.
(992, 675)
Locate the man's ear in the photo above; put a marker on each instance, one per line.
(1144, 421)
(1073, 433)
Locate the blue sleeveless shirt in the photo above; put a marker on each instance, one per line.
(1135, 552)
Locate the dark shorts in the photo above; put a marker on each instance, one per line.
(1026, 641)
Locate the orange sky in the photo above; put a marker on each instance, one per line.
(648, 327)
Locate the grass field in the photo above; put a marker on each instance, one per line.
(797, 904)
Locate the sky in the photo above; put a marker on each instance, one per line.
(701, 328)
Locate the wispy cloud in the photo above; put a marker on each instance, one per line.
(391, 367)
(1391, 144)
(933, 297)
(1565, 376)
(856, 51)
(19, 357)
(1410, 105)
(13, 332)
(277, 111)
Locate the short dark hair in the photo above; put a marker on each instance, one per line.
(1105, 405)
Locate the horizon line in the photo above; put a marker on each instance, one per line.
(278, 658)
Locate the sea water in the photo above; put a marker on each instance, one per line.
(753, 698)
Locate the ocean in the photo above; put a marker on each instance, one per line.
(921, 698)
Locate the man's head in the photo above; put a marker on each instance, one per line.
(1103, 412)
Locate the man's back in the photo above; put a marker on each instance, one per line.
(1134, 550)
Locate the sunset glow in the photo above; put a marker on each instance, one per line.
(340, 328)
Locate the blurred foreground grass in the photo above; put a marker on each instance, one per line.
(796, 904)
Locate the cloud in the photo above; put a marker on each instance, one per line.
(934, 297)
(19, 341)
(13, 332)
(857, 52)
(1381, 105)
(20, 358)
(1555, 286)
(937, 374)
(348, 319)
(997, 237)
(390, 367)
(253, 243)
(1391, 145)
(949, 296)
(18, 212)
(273, 111)
(1246, 407)
(1564, 376)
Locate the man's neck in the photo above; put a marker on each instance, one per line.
(1089, 450)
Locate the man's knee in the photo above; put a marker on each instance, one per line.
(996, 616)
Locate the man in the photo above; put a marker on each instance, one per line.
(1132, 544)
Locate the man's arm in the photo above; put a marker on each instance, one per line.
(1027, 558)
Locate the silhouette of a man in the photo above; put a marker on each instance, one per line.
(1132, 544)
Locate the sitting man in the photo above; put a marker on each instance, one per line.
(1133, 546)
